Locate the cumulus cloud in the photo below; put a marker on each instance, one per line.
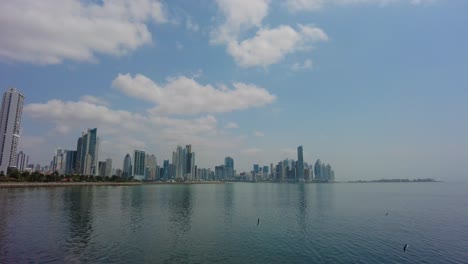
(183, 95)
(306, 65)
(122, 131)
(269, 46)
(94, 100)
(238, 15)
(308, 5)
(155, 130)
(49, 31)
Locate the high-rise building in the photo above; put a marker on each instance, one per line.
(183, 163)
(22, 161)
(139, 165)
(87, 145)
(219, 172)
(256, 168)
(70, 162)
(10, 124)
(229, 167)
(151, 164)
(318, 170)
(165, 171)
(102, 168)
(108, 167)
(300, 165)
(127, 167)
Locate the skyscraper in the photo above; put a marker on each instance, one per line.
(300, 164)
(10, 124)
(108, 167)
(318, 170)
(139, 165)
(127, 166)
(183, 163)
(22, 161)
(229, 167)
(87, 153)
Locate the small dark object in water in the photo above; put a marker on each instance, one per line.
(258, 221)
(405, 247)
(386, 214)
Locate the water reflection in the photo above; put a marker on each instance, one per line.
(302, 206)
(325, 197)
(78, 206)
(228, 202)
(6, 213)
(180, 205)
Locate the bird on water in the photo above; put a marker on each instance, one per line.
(386, 214)
(258, 221)
(405, 247)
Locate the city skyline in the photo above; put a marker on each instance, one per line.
(377, 88)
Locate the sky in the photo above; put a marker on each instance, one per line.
(376, 88)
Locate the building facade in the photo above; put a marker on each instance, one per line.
(10, 123)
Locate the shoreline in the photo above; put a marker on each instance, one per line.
(74, 184)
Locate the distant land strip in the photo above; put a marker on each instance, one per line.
(67, 184)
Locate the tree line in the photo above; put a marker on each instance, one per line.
(14, 175)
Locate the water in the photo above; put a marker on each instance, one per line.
(217, 223)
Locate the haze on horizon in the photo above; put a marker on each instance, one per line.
(377, 88)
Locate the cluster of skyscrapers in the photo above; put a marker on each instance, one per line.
(290, 170)
(142, 166)
(83, 160)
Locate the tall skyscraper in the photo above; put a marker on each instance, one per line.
(165, 171)
(229, 167)
(300, 164)
(256, 168)
(127, 166)
(318, 170)
(22, 161)
(10, 124)
(183, 163)
(151, 164)
(87, 153)
(70, 162)
(108, 167)
(139, 165)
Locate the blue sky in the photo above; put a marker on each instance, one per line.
(377, 88)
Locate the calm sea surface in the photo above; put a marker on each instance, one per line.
(217, 223)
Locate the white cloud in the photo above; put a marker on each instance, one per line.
(258, 134)
(122, 131)
(231, 125)
(49, 31)
(94, 100)
(183, 95)
(311, 5)
(306, 65)
(269, 46)
(154, 130)
(238, 15)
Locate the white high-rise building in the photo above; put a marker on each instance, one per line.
(109, 167)
(10, 118)
(22, 161)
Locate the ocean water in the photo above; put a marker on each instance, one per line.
(217, 223)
